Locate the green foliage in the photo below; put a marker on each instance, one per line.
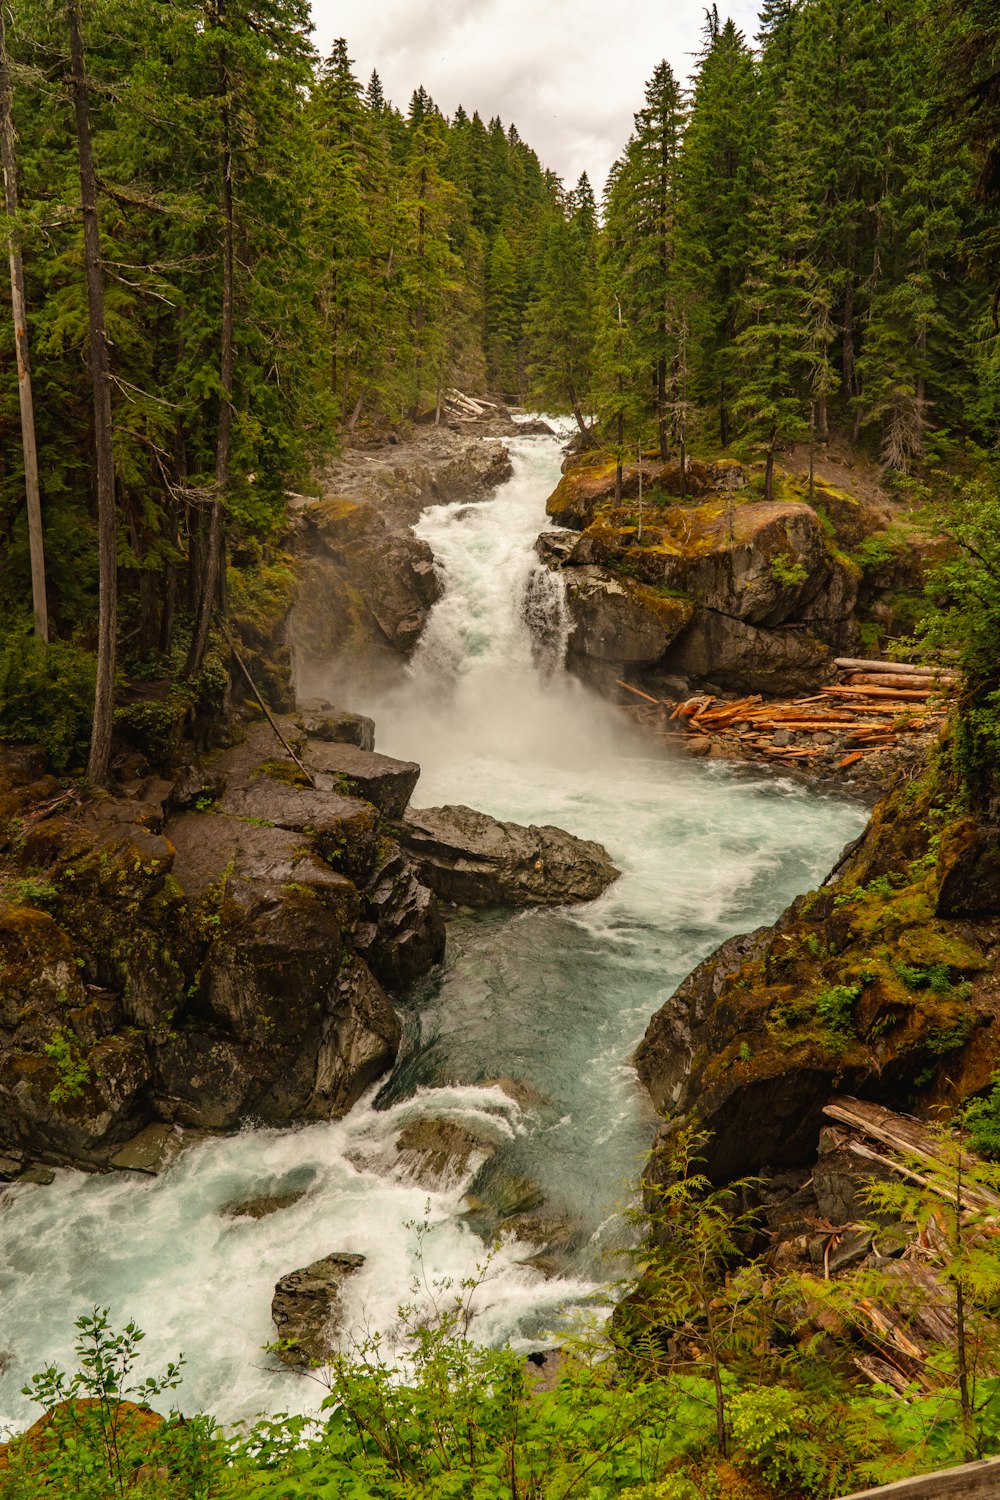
(98, 1443)
(46, 696)
(982, 1121)
(789, 573)
(835, 1008)
(776, 1429)
(72, 1070)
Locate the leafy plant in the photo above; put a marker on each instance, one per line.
(72, 1070)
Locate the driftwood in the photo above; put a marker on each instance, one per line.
(975, 1481)
(866, 713)
(897, 668)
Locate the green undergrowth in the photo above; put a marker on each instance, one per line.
(865, 973)
(710, 1382)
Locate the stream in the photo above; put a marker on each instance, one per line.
(523, 1036)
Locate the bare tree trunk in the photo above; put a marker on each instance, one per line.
(36, 545)
(822, 419)
(812, 450)
(769, 473)
(724, 415)
(661, 403)
(214, 551)
(99, 761)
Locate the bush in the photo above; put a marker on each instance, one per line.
(47, 696)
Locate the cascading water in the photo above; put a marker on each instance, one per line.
(554, 1000)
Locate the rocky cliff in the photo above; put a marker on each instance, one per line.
(882, 984)
(698, 582)
(366, 583)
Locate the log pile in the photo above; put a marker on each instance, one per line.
(905, 1319)
(458, 407)
(874, 706)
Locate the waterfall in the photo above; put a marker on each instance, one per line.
(553, 1000)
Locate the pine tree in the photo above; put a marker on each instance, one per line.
(8, 165)
(718, 171)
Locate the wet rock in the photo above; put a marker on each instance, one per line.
(367, 583)
(306, 1309)
(387, 784)
(401, 935)
(151, 1151)
(10, 1167)
(473, 860)
(438, 1153)
(496, 1195)
(620, 621)
(262, 1206)
(40, 1176)
(338, 728)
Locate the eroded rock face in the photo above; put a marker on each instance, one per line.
(232, 964)
(745, 594)
(306, 1310)
(471, 859)
(864, 987)
(367, 583)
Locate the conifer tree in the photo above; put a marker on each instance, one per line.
(29, 446)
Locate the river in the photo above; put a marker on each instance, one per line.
(552, 999)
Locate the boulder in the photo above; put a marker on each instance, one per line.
(617, 620)
(366, 583)
(862, 986)
(439, 1154)
(749, 596)
(337, 727)
(387, 784)
(263, 1205)
(306, 1310)
(471, 859)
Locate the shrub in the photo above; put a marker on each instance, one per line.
(47, 696)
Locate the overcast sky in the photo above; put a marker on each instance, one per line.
(569, 73)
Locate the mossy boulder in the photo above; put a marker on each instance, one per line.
(201, 967)
(862, 987)
(750, 595)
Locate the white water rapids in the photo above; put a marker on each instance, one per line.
(553, 999)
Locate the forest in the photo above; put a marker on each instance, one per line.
(234, 261)
(233, 255)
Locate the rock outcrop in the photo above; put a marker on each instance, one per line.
(197, 958)
(366, 583)
(306, 1310)
(470, 859)
(882, 984)
(747, 595)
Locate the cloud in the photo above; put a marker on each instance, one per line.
(568, 73)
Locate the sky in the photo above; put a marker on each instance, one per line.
(569, 73)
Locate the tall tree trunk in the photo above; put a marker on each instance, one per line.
(822, 419)
(36, 545)
(214, 552)
(769, 472)
(661, 401)
(724, 414)
(99, 761)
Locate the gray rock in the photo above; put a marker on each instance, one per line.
(471, 859)
(306, 1310)
(151, 1151)
(388, 784)
(339, 728)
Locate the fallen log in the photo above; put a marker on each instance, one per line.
(638, 693)
(904, 694)
(886, 679)
(897, 668)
